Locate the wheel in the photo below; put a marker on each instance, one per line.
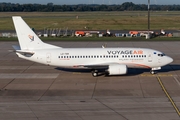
(94, 73)
(152, 72)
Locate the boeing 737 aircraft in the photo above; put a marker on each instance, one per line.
(114, 61)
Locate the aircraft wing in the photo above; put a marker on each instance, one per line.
(100, 66)
(112, 68)
(96, 66)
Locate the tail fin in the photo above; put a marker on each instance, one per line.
(28, 40)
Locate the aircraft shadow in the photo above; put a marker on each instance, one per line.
(131, 71)
(73, 70)
(171, 67)
(101, 71)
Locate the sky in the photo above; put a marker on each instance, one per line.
(71, 2)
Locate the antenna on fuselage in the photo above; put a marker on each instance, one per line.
(105, 45)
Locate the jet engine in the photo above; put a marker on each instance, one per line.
(117, 69)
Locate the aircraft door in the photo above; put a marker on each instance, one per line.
(150, 57)
(48, 58)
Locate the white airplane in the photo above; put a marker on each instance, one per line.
(114, 61)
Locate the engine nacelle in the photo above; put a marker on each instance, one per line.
(117, 69)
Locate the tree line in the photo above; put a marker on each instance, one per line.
(50, 7)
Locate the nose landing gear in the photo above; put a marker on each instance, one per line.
(153, 72)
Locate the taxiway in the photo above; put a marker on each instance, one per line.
(33, 91)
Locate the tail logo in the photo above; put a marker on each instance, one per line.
(31, 37)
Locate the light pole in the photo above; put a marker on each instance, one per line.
(148, 35)
(148, 15)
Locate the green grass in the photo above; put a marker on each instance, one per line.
(120, 20)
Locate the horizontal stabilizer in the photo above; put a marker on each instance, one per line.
(25, 52)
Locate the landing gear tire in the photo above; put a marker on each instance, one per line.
(152, 72)
(94, 73)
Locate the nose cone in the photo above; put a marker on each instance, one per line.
(169, 60)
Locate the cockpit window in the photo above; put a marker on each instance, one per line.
(161, 54)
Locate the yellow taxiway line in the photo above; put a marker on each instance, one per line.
(169, 97)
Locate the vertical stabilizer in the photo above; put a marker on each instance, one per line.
(28, 40)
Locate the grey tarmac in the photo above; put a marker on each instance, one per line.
(32, 91)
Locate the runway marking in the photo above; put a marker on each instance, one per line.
(167, 94)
